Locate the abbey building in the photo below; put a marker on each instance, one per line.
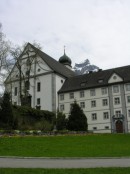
(41, 82)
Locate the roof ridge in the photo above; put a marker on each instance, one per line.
(54, 64)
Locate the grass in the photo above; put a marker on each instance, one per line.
(106, 145)
(66, 171)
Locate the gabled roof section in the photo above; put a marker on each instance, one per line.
(115, 78)
(95, 79)
(53, 64)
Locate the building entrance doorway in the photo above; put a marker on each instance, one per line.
(119, 126)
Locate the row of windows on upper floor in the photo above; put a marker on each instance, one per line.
(116, 101)
(27, 87)
(106, 115)
(104, 91)
(82, 94)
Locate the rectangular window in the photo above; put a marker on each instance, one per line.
(15, 103)
(94, 128)
(93, 103)
(100, 81)
(38, 87)
(71, 95)
(15, 91)
(118, 113)
(81, 94)
(38, 101)
(92, 92)
(27, 85)
(115, 89)
(104, 91)
(128, 99)
(127, 87)
(94, 116)
(117, 101)
(128, 113)
(71, 106)
(104, 102)
(61, 96)
(82, 105)
(27, 73)
(62, 108)
(83, 84)
(106, 127)
(105, 115)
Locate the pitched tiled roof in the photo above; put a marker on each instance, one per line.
(53, 64)
(95, 79)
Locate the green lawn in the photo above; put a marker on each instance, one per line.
(106, 145)
(67, 171)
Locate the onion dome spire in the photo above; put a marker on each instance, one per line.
(65, 60)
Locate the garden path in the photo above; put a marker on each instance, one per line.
(17, 162)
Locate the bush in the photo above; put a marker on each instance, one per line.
(61, 121)
(32, 119)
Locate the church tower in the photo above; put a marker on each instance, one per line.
(65, 60)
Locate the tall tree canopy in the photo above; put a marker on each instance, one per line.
(9, 54)
(4, 56)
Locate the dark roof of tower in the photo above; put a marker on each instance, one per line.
(65, 59)
(95, 79)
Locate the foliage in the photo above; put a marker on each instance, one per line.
(77, 120)
(6, 115)
(28, 118)
(5, 61)
(16, 51)
(61, 121)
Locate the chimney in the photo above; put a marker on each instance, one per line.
(99, 70)
(90, 72)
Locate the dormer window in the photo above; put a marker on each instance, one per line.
(83, 84)
(115, 78)
(100, 81)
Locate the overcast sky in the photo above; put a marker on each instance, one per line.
(98, 30)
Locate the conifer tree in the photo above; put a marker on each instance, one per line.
(6, 117)
(77, 120)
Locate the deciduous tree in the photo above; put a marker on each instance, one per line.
(5, 61)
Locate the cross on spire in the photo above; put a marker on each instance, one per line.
(64, 49)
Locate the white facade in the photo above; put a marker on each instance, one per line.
(107, 107)
(103, 106)
(44, 82)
